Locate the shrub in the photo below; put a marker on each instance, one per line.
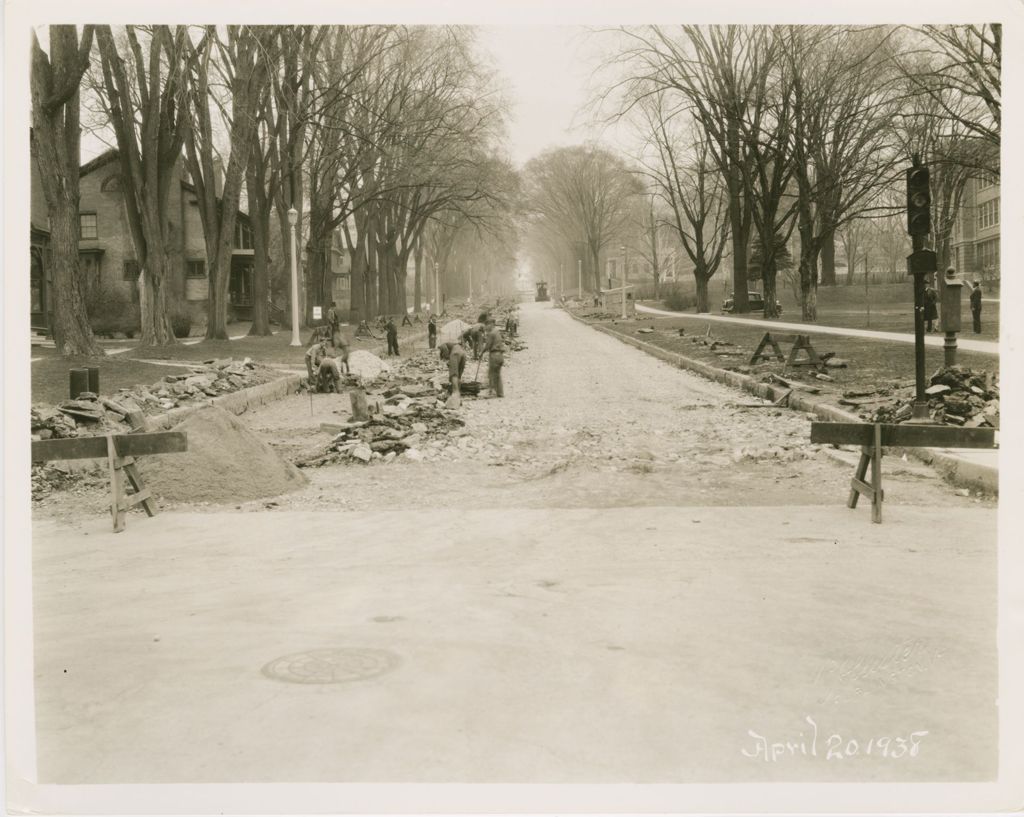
(181, 323)
(678, 300)
(111, 309)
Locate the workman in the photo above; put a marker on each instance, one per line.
(456, 357)
(333, 322)
(474, 336)
(976, 306)
(432, 331)
(495, 348)
(319, 359)
(392, 331)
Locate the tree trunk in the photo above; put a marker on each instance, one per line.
(418, 279)
(701, 280)
(55, 137)
(259, 208)
(808, 279)
(769, 287)
(220, 280)
(595, 260)
(156, 323)
(71, 332)
(828, 260)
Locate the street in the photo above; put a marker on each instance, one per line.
(618, 574)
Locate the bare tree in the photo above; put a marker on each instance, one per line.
(55, 80)
(582, 192)
(244, 68)
(146, 109)
(843, 146)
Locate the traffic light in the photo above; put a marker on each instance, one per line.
(919, 201)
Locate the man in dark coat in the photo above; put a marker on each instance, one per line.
(931, 311)
(432, 331)
(392, 331)
(976, 305)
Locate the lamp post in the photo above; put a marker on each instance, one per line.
(579, 271)
(624, 273)
(437, 291)
(293, 219)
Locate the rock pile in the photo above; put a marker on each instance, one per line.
(956, 396)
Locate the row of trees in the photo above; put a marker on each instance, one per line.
(751, 134)
(388, 134)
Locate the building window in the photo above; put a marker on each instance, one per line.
(989, 255)
(986, 180)
(243, 236)
(988, 214)
(111, 184)
(196, 269)
(130, 271)
(89, 225)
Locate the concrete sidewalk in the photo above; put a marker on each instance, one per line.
(965, 343)
(596, 645)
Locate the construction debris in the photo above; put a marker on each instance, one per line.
(956, 396)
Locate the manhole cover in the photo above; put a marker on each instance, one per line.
(331, 666)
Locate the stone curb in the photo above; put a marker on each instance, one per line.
(237, 402)
(953, 469)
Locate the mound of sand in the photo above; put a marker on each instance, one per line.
(452, 331)
(225, 462)
(366, 364)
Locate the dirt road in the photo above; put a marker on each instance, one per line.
(619, 576)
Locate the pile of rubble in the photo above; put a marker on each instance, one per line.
(406, 404)
(956, 396)
(94, 414)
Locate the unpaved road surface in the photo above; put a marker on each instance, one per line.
(619, 576)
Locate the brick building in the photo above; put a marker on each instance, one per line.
(975, 239)
(108, 257)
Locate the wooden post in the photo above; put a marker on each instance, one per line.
(876, 476)
(360, 411)
(117, 506)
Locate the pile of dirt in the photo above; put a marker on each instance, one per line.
(225, 462)
(366, 364)
(452, 331)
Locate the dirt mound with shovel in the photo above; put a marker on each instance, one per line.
(225, 462)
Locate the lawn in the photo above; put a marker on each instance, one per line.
(50, 380)
(884, 307)
(872, 363)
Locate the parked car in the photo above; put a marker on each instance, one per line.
(756, 301)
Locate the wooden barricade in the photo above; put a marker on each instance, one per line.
(120, 451)
(873, 437)
(801, 343)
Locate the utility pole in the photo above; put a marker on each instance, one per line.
(293, 219)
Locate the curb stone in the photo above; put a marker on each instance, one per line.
(952, 468)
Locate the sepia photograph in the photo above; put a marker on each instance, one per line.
(591, 404)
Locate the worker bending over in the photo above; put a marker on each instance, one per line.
(456, 357)
(474, 336)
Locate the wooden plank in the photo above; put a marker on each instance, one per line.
(876, 475)
(127, 445)
(908, 435)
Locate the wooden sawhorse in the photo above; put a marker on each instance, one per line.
(120, 451)
(872, 437)
(801, 343)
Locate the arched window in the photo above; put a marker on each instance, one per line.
(111, 184)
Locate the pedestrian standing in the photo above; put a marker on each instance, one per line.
(976, 306)
(392, 331)
(432, 331)
(495, 348)
(931, 312)
(333, 322)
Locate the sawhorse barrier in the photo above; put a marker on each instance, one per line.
(873, 437)
(120, 451)
(801, 343)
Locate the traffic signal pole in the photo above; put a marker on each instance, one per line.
(920, 262)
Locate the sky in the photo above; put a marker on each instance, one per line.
(546, 70)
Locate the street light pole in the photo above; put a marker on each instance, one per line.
(437, 291)
(293, 219)
(624, 273)
(579, 269)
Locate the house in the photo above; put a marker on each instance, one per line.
(41, 271)
(105, 247)
(974, 243)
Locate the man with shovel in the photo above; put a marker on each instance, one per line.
(495, 348)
